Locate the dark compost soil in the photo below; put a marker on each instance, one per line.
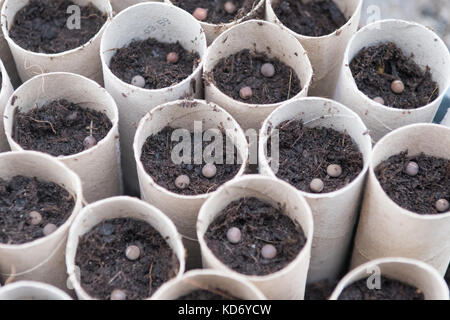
(157, 160)
(305, 154)
(415, 193)
(59, 127)
(375, 68)
(243, 69)
(22, 195)
(42, 26)
(147, 58)
(207, 295)
(260, 224)
(314, 19)
(390, 290)
(320, 290)
(104, 266)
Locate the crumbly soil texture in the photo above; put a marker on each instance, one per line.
(59, 127)
(43, 26)
(22, 195)
(244, 69)
(260, 224)
(313, 18)
(104, 266)
(320, 290)
(216, 11)
(158, 163)
(415, 193)
(207, 295)
(147, 58)
(375, 68)
(305, 153)
(390, 290)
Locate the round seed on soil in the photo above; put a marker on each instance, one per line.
(200, 14)
(182, 182)
(49, 229)
(334, 170)
(412, 169)
(172, 57)
(269, 251)
(229, 7)
(36, 218)
(234, 235)
(268, 70)
(379, 100)
(138, 81)
(89, 142)
(245, 93)
(118, 294)
(442, 205)
(209, 170)
(397, 86)
(132, 252)
(317, 185)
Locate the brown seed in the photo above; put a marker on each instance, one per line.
(229, 7)
(245, 93)
(379, 100)
(132, 252)
(234, 235)
(172, 57)
(267, 70)
(138, 81)
(412, 169)
(397, 86)
(334, 170)
(182, 182)
(118, 294)
(35, 217)
(49, 229)
(269, 251)
(317, 185)
(209, 170)
(200, 14)
(89, 142)
(442, 205)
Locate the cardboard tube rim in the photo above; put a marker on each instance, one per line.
(304, 37)
(129, 86)
(224, 35)
(11, 42)
(263, 137)
(288, 268)
(377, 184)
(406, 24)
(75, 193)
(200, 273)
(353, 274)
(137, 150)
(151, 210)
(34, 285)
(10, 109)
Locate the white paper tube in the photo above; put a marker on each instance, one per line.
(114, 208)
(334, 213)
(287, 283)
(83, 60)
(412, 272)
(31, 290)
(7, 58)
(41, 259)
(5, 93)
(428, 50)
(386, 229)
(325, 52)
(166, 23)
(119, 5)
(256, 36)
(228, 284)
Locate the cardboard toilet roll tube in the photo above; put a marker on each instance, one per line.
(287, 283)
(83, 60)
(5, 93)
(325, 52)
(7, 58)
(387, 230)
(428, 50)
(119, 5)
(183, 209)
(412, 272)
(213, 280)
(41, 259)
(257, 36)
(212, 31)
(334, 213)
(98, 167)
(114, 208)
(31, 290)
(166, 23)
